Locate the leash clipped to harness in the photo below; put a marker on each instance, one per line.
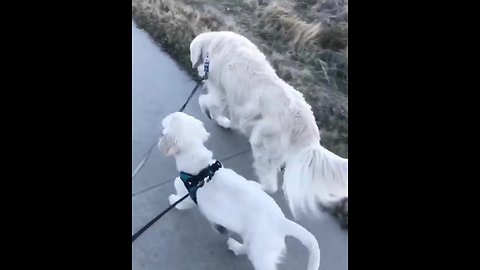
(208, 172)
(194, 182)
(206, 69)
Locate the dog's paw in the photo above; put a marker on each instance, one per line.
(270, 188)
(235, 247)
(172, 199)
(269, 182)
(184, 205)
(223, 122)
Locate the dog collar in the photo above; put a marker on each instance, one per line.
(194, 182)
(206, 67)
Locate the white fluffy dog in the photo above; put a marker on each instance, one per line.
(245, 93)
(231, 201)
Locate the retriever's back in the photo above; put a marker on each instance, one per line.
(252, 86)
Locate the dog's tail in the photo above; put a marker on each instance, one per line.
(315, 175)
(307, 239)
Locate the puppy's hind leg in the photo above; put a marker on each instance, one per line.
(181, 191)
(266, 251)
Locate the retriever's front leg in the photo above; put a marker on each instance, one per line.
(211, 105)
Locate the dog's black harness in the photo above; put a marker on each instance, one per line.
(194, 182)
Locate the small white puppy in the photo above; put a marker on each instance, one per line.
(229, 200)
(245, 93)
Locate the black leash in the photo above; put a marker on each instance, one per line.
(149, 224)
(206, 69)
(192, 183)
(191, 95)
(147, 154)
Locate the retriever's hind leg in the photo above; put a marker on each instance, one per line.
(267, 158)
(266, 171)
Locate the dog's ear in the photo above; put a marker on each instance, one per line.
(196, 52)
(168, 145)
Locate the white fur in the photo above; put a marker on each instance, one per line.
(230, 200)
(244, 89)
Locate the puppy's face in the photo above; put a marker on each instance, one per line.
(181, 131)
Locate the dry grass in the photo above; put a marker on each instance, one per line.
(305, 40)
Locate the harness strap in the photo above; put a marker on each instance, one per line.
(194, 182)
